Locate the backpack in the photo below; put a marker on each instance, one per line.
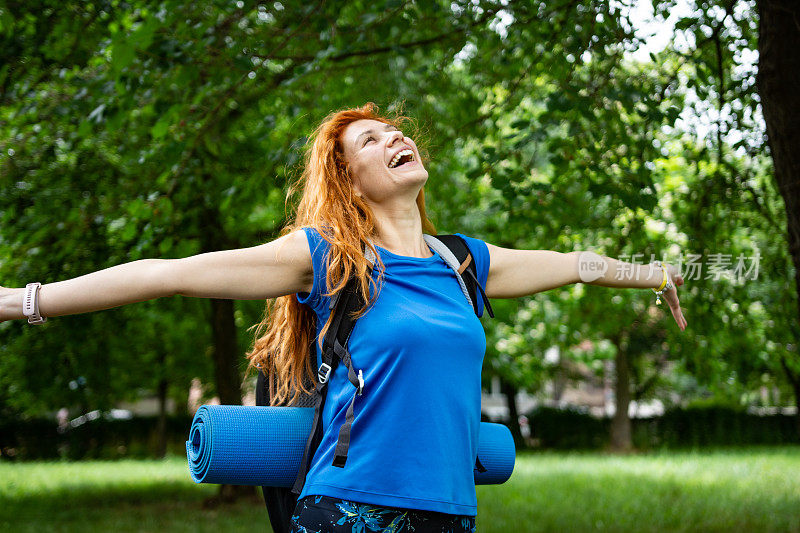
(281, 501)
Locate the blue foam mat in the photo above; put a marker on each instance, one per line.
(235, 445)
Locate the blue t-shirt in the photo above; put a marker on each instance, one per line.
(420, 346)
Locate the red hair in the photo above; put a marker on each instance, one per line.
(328, 205)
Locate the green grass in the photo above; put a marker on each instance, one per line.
(754, 489)
(127, 495)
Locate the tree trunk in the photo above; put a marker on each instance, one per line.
(778, 83)
(559, 380)
(225, 349)
(797, 407)
(794, 379)
(510, 392)
(223, 327)
(621, 424)
(226, 353)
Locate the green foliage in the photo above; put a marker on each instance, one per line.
(164, 129)
(716, 426)
(567, 429)
(699, 426)
(101, 438)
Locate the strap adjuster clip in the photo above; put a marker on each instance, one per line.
(360, 382)
(323, 373)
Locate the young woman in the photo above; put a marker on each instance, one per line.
(418, 341)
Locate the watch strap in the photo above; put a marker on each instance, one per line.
(30, 304)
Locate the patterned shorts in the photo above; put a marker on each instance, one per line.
(322, 514)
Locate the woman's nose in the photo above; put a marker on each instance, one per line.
(394, 136)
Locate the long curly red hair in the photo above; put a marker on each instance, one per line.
(327, 203)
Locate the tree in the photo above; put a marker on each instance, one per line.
(156, 112)
(778, 39)
(166, 129)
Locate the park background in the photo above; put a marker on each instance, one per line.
(133, 129)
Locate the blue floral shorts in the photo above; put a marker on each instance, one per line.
(322, 514)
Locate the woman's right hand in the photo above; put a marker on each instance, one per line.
(671, 295)
(11, 303)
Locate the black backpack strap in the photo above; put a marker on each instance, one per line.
(335, 345)
(466, 271)
(334, 348)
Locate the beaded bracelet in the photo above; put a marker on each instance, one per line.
(665, 285)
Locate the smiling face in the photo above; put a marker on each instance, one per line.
(384, 163)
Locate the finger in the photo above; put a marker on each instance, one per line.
(682, 322)
(675, 307)
(676, 313)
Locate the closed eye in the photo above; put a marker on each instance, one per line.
(371, 137)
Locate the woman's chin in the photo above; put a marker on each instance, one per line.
(416, 179)
(410, 170)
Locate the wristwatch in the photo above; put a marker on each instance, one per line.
(30, 304)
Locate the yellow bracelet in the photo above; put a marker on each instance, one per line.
(663, 283)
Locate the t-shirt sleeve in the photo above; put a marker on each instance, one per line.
(480, 254)
(317, 299)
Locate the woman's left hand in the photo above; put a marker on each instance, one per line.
(671, 295)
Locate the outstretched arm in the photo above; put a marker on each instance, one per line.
(276, 268)
(514, 273)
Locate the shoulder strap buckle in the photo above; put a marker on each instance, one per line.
(323, 373)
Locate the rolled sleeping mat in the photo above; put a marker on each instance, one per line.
(496, 453)
(235, 445)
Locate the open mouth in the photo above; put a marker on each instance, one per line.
(401, 158)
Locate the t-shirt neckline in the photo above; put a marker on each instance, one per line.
(408, 257)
